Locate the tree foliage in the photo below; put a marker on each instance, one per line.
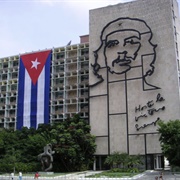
(71, 140)
(74, 145)
(170, 140)
(19, 149)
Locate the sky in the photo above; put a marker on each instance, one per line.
(33, 25)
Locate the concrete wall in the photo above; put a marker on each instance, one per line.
(126, 106)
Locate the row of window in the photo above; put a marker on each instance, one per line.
(68, 54)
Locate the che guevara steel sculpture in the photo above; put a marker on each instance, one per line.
(125, 47)
(121, 41)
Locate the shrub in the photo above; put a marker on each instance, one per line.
(175, 168)
(123, 160)
(133, 170)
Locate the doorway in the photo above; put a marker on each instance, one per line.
(158, 161)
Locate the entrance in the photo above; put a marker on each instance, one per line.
(158, 161)
(100, 165)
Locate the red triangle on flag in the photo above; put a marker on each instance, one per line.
(34, 63)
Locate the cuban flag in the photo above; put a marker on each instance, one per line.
(33, 89)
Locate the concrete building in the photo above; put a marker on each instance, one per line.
(134, 77)
(68, 89)
(122, 78)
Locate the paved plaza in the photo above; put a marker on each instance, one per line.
(148, 175)
(167, 175)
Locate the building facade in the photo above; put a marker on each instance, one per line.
(68, 84)
(122, 78)
(134, 77)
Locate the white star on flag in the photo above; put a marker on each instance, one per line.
(35, 64)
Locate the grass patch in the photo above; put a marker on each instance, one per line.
(113, 174)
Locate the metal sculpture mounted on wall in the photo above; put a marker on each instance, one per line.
(121, 41)
(46, 158)
(126, 54)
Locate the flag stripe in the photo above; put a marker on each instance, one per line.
(47, 88)
(40, 97)
(33, 112)
(27, 99)
(20, 96)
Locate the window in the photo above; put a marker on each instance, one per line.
(60, 55)
(85, 51)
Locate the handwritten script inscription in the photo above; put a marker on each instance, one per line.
(147, 110)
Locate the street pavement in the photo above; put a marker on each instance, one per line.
(151, 175)
(148, 175)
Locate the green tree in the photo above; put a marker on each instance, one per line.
(9, 156)
(71, 140)
(73, 144)
(19, 149)
(170, 140)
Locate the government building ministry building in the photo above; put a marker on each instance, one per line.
(122, 79)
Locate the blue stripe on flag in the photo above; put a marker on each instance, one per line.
(33, 117)
(20, 109)
(46, 89)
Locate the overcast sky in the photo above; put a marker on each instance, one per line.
(32, 25)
